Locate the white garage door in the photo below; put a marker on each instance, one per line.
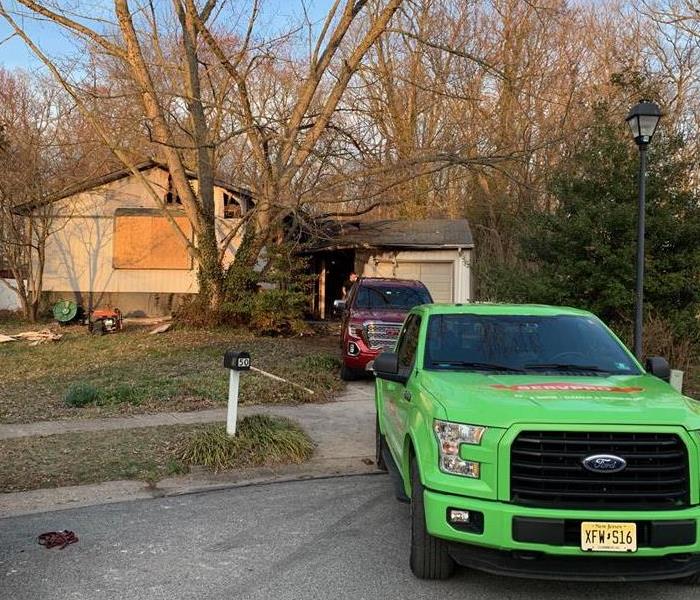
(437, 276)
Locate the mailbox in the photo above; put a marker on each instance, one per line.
(235, 362)
(238, 361)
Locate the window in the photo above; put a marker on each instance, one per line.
(391, 296)
(525, 343)
(409, 343)
(147, 240)
(232, 208)
(171, 197)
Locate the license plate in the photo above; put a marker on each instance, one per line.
(608, 537)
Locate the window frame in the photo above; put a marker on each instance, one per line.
(410, 320)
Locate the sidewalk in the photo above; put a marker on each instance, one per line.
(343, 431)
(356, 392)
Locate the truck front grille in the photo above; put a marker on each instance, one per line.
(547, 470)
(382, 335)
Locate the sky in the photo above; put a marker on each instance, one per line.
(55, 42)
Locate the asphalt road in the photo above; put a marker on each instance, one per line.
(332, 539)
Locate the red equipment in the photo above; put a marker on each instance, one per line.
(105, 320)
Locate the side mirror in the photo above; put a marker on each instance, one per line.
(339, 306)
(386, 366)
(658, 367)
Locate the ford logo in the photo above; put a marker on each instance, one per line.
(604, 463)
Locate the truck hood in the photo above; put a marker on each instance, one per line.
(502, 400)
(360, 315)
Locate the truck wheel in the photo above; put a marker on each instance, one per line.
(380, 443)
(429, 557)
(348, 374)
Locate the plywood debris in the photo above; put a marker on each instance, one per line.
(161, 328)
(34, 337)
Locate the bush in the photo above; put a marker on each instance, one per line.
(661, 338)
(277, 312)
(261, 440)
(195, 313)
(82, 394)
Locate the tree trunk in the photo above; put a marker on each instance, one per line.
(211, 274)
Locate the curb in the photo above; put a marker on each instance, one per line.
(17, 504)
(264, 482)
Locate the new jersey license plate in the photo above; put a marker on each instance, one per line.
(608, 537)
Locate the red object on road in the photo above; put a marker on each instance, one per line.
(61, 539)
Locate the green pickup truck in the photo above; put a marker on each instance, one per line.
(530, 442)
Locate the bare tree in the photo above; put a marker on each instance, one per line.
(29, 111)
(177, 113)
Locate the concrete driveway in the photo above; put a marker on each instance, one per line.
(341, 538)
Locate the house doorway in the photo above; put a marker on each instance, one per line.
(332, 268)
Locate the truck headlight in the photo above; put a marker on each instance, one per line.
(357, 331)
(450, 436)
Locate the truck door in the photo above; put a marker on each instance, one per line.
(397, 397)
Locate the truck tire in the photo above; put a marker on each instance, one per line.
(429, 556)
(348, 374)
(380, 443)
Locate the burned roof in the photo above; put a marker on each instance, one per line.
(145, 165)
(428, 233)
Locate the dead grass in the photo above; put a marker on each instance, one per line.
(135, 372)
(77, 458)
(146, 454)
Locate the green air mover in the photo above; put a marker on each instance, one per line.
(64, 311)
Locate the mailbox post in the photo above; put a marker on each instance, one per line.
(235, 362)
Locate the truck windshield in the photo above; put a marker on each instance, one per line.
(561, 344)
(391, 296)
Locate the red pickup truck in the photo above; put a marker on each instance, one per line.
(373, 313)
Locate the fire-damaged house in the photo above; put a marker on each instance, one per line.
(112, 246)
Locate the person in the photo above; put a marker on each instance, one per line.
(352, 278)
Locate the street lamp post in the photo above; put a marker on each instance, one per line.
(642, 120)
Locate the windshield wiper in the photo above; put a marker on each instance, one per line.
(481, 366)
(564, 367)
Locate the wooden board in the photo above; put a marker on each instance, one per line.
(150, 242)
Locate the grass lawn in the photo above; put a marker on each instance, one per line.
(134, 372)
(148, 453)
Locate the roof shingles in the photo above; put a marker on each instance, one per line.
(428, 233)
